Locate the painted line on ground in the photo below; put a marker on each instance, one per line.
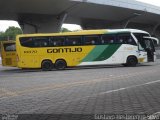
(99, 94)
(134, 86)
(66, 85)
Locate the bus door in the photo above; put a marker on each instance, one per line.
(150, 50)
(8, 54)
(151, 53)
(154, 44)
(146, 47)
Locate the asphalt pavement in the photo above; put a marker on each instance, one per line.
(81, 93)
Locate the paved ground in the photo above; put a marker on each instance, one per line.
(80, 93)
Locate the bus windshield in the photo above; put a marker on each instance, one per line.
(144, 42)
(9, 47)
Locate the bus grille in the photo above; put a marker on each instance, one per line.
(8, 61)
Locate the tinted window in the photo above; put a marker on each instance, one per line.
(107, 39)
(91, 40)
(27, 42)
(9, 47)
(141, 39)
(73, 40)
(125, 39)
(149, 44)
(40, 41)
(34, 41)
(57, 41)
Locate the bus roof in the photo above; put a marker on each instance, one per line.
(127, 30)
(85, 32)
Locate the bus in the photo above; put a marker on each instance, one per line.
(8, 53)
(128, 47)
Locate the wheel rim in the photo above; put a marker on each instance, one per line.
(46, 65)
(132, 62)
(60, 65)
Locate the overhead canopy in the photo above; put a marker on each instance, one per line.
(88, 13)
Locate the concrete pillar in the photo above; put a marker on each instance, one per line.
(155, 28)
(27, 28)
(52, 25)
(42, 23)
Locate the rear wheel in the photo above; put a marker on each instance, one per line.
(60, 65)
(47, 65)
(132, 61)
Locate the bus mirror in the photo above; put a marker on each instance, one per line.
(155, 40)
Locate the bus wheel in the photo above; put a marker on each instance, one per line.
(132, 61)
(47, 65)
(60, 65)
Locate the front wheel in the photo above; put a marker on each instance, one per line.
(60, 65)
(132, 61)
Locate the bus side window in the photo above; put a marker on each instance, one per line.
(27, 42)
(125, 38)
(51, 41)
(91, 40)
(107, 39)
(41, 41)
(73, 40)
(58, 41)
(121, 39)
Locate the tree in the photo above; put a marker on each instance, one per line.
(10, 33)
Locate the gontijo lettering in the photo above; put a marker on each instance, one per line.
(64, 50)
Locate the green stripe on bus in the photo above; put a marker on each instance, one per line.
(108, 52)
(95, 53)
(102, 52)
